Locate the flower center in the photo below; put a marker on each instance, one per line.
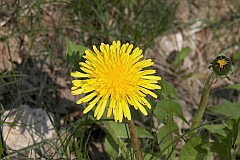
(117, 81)
(221, 63)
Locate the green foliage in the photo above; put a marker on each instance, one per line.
(165, 139)
(233, 86)
(74, 53)
(138, 22)
(12, 75)
(191, 150)
(165, 110)
(225, 139)
(226, 134)
(181, 56)
(231, 110)
(1, 146)
(125, 21)
(116, 133)
(113, 141)
(166, 107)
(167, 91)
(121, 132)
(236, 57)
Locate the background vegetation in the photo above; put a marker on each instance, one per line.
(182, 38)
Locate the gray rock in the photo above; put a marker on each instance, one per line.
(24, 127)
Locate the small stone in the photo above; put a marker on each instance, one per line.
(24, 127)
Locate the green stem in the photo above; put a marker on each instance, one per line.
(202, 105)
(134, 140)
(170, 138)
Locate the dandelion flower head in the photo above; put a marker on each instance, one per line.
(113, 79)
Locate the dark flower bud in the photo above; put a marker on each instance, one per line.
(221, 65)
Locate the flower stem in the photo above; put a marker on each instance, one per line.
(134, 140)
(202, 105)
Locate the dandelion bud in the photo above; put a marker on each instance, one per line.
(221, 65)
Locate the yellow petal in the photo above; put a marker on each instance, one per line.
(146, 72)
(146, 63)
(102, 109)
(151, 86)
(146, 91)
(126, 111)
(77, 91)
(87, 98)
(152, 77)
(78, 74)
(145, 102)
(91, 105)
(111, 106)
(129, 49)
(86, 70)
(77, 82)
(98, 108)
(141, 108)
(120, 113)
(74, 88)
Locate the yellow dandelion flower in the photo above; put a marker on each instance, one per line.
(113, 76)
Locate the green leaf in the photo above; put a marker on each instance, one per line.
(236, 56)
(165, 139)
(231, 110)
(148, 156)
(223, 150)
(77, 150)
(180, 56)
(223, 144)
(111, 146)
(120, 131)
(74, 53)
(114, 144)
(164, 131)
(72, 48)
(1, 146)
(189, 150)
(237, 141)
(233, 86)
(116, 133)
(167, 90)
(165, 107)
(13, 75)
(217, 129)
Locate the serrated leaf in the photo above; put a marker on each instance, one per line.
(221, 149)
(150, 157)
(233, 86)
(164, 131)
(166, 107)
(189, 151)
(73, 48)
(111, 147)
(167, 90)
(237, 141)
(165, 138)
(115, 135)
(223, 145)
(216, 129)
(180, 56)
(114, 143)
(74, 53)
(231, 110)
(121, 132)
